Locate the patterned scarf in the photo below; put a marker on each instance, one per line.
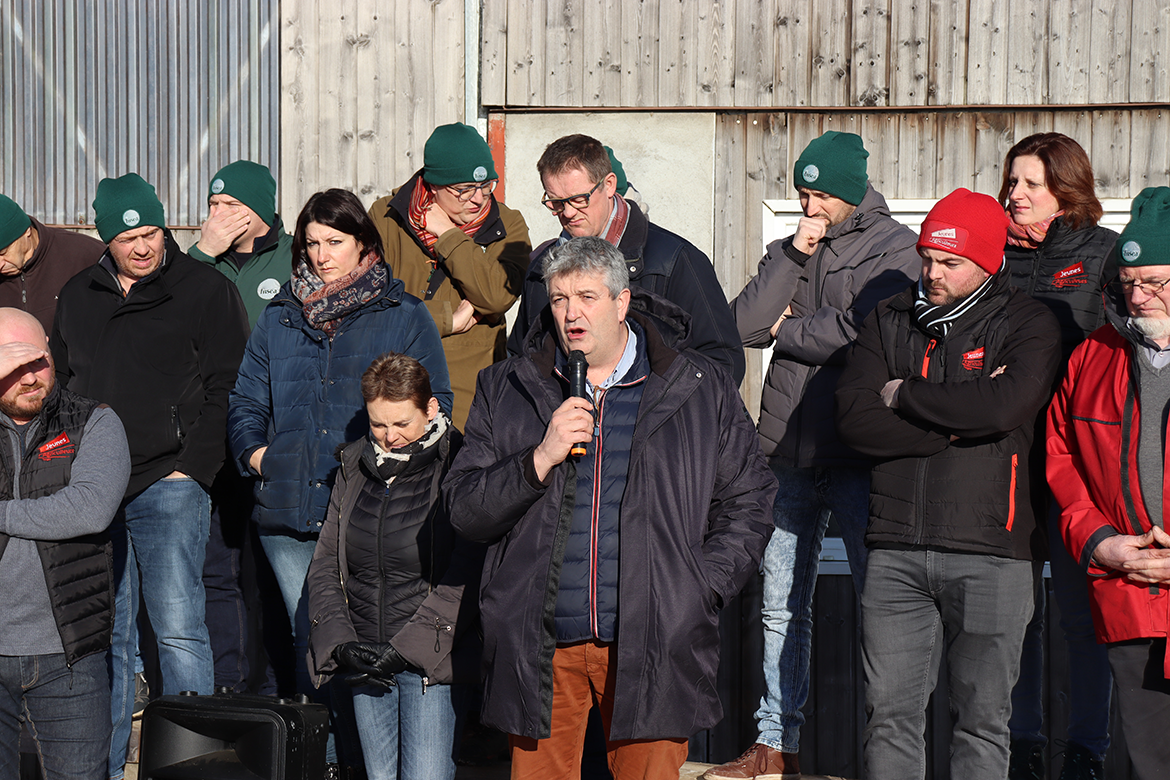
(938, 320)
(324, 304)
(1030, 236)
(421, 199)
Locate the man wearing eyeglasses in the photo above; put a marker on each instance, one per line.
(458, 249)
(1107, 469)
(581, 189)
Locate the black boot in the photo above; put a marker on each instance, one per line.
(1080, 764)
(1027, 760)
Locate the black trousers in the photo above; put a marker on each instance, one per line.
(1143, 697)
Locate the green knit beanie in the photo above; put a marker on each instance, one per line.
(623, 186)
(251, 184)
(834, 164)
(13, 221)
(126, 203)
(455, 154)
(1146, 239)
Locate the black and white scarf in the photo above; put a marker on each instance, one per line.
(938, 320)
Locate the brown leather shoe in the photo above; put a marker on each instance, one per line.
(760, 762)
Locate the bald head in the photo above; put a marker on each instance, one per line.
(26, 368)
(17, 325)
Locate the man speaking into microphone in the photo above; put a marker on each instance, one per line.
(607, 570)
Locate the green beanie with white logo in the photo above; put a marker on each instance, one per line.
(1146, 239)
(455, 154)
(251, 184)
(13, 221)
(125, 203)
(834, 164)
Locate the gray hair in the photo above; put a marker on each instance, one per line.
(588, 255)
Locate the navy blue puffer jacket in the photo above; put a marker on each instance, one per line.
(299, 394)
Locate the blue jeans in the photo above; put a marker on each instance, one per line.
(1090, 684)
(918, 604)
(290, 556)
(408, 733)
(806, 499)
(159, 537)
(65, 709)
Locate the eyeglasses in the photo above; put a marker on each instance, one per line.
(463, 194)
(557, 205)
(1149, 287)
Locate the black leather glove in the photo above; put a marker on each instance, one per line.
(389, 661)
(360, 657)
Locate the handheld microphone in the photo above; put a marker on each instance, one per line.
(578, 367)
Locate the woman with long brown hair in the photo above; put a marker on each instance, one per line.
(1058, 254)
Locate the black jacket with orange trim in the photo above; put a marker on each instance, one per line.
(951, 461)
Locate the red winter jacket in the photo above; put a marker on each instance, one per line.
(1093, 427)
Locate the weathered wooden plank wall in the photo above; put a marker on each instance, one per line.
(364, 82)
(799, 53)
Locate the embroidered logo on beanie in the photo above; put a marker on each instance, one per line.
(480, 173)
(217, 186)
(130, 217)
(810, 173)
(1131, 251)
(952, 239)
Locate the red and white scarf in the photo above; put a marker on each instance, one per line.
(421, 199)
(1029, 236)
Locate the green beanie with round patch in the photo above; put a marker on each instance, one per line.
(1146, 239)
(13, 221)
(251, 184)
(455, 154)
(834, 164)
(125, 203)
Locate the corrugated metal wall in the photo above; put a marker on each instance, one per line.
(171, 90)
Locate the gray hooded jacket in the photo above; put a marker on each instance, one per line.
(867, 258)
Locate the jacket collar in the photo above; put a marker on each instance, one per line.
(872, 208)
(398, 209)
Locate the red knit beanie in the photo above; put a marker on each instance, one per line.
(967, 224)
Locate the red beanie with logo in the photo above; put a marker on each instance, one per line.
(967, 224)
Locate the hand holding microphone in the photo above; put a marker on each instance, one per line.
(571, 423)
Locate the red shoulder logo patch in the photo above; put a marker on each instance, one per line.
(973, 360)
(60, 447)
(1073, 276)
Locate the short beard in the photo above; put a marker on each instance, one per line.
(16, 411)
(1155, 329)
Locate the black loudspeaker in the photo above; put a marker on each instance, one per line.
(232, 737)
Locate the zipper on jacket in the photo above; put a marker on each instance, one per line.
(1012, 493)
(177, 424)
(594, 514)
(381, 564)
(926, 357)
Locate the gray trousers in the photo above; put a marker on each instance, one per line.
(916, 605)
(1143, 696)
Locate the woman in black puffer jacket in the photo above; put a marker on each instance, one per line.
(1058, 254)
(392, 590)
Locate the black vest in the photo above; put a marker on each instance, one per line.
(78, 571)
